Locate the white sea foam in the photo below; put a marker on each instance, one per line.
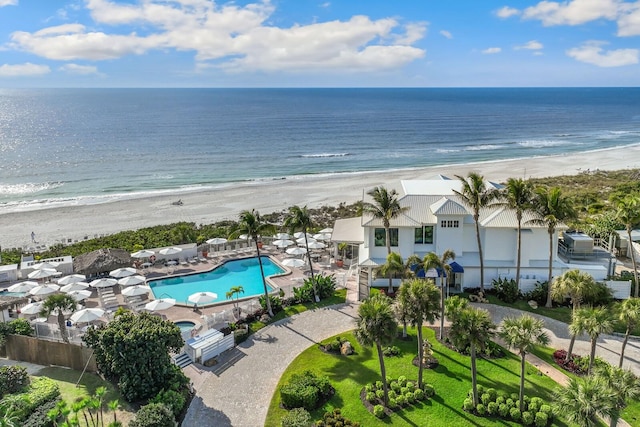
(447, 150)
(541, 143)
(326, 155)
(484, 147)
(27, 188)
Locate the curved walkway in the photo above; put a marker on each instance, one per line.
(238, 390)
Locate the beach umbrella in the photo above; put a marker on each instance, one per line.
(293, 262)
(143, 254)
(42, 273)
(80, 295)
(322, 236)
(326, 230)
(23, 286)
(104, 282)
(46, 264)
(296, 251)
(72, 278)
(135, 290)
(45, 290)
(78, 286)
(131, 280)
(160, 304)
(281, 236)
(170, 251)
(316, 245)
(282, 243)
(32, 308)
(302, 241)
(119, 273)
(300, 235)
(216, 241)
(203, 297)
(87, 315)
(243, 237)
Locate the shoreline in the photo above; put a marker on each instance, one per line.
(50, 225)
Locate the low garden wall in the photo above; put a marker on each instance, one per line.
(43, 352)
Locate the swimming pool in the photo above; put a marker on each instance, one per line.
(241, 272)
(185, 325)
(6, 293)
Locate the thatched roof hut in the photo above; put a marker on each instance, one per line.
(101, 261)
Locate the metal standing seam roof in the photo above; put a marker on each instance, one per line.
(403, 220)
(446, 206)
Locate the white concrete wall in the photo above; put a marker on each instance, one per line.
(621, 288)
(500, 245)
(449, 238)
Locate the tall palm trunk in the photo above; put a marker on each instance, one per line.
(633, 261)
(519, 250)
(264, 282)
(313, 279)
(441, 333)
(570, 350)
(624, 345)
(592, 355)
(474, 382)
(522, 366)
(420, 353)
(383, 372)
(387, 235)
(549, 303)
(476, 218)
(63, 327)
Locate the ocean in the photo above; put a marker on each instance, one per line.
(81, 146)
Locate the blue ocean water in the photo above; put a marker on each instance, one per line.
(70, 146)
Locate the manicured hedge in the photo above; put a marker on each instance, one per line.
(305, 390)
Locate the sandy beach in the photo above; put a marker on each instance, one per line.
(76, 222)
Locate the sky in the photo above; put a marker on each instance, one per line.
(316, 43)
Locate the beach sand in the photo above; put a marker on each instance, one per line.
(76, 222)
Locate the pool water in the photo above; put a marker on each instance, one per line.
(241, 272)
(6, 293)
(185, 326)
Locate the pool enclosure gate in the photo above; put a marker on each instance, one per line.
(208, 345)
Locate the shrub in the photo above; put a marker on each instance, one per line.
(403, 390)
(153, 415)
(39, 417)
(419, 394)
(515, 397)
(602, 295)
(393, 403)
(481, 409)
(467, 405)
(486, 398)
(515, 414)
(493, 393)
(172, 399)
(429, 391)
(380, 394)
(276, 303)
(297, 417)
(411, 385)
(510, 403)
(371, 397)
(539, 293)
(506, 289)
(503, 410)
(541, 419)
(392, 394)
(392, 351)
(326, 285)
(378, 411)
(527, 418)
(402, 380)
(500, 400)
(378, 385)
(41, 391)
(402, 400)
(546, 409)
(334, 345)
(369, 387)
(409, 397)
(395, 386)
(13, 379)
(492, 408)
(335, 419)
(305, 390)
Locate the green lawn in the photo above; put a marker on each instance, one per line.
(451, 379)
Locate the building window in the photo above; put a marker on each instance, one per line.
(423, 235)
(450, 223)
(380, 237)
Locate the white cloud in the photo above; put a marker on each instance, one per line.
(325, 4)
(592, 53)
(79, 69)
(8, 3)
(26, 69)
(235, 37)
(507, 12)
(446, 34)
(530, 45)
(629, 21)
(574, 12)
(492, 50)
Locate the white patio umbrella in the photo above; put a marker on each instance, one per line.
(302, 241)
(170, 251)
(78, 286)
(131, 280)
(23, 286)
(326, 230)
(216, 241)
(296, 251)
(282, 243)
(293, 262)
(87, 315)
(316, 245)
(104, 282)
(322, 236)
(135, 290)
(42, 273)
(46, 264)
(203, 297)
(72, 278)
(281, 236)
(300, 235)
(243, 237)
(160, 304)
(142, 254)
(32, 308)
(45, 290)
(80, 295)
(119, 273)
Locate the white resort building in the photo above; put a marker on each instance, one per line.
(437, 220)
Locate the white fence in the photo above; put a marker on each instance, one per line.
(621, 288)
(214, 349)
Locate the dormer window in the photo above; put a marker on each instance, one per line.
(448, 223)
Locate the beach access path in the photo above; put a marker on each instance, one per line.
(238, 390)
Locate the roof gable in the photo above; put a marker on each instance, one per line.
(446, 206)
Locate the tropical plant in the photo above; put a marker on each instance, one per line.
(596, 321)
(58, 304)
(629, 314)
(377, 326)
(385, 207)
(402, 307)
(517, 195)
(441, 264)
(475, 326)
(551, 209)
(582, 400)
(454, 306)
(253, 226)
(576, 327)
(624, 385)
(393, 266)
(628, 213)
(153, 415)
(300, 219)
(235, 291)
(576, 285)
(522, 334)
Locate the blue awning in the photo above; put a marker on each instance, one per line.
(456, 268)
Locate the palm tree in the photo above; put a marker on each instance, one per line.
(522, 334)
(517, 195)
(58, 304)
(423, 307)
(393, 266)
(235, 290)
(628, 212)
(377, 326)
(253, 226)
(574, 283)
(623, 383)
(431, 260)
(551, 208)
(596, 321)
(629, 315)
(114, 405)
(475, 327)
(576, 327)
(300, 219)
(402, 307)
(475, 194)
(386, 207)
(582, 400)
